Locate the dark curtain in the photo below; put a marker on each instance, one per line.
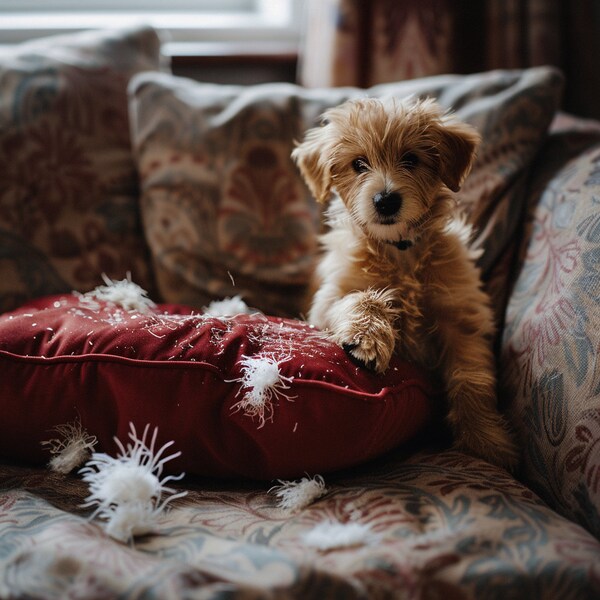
(364, 42)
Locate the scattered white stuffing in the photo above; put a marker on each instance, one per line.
(354, 513)
(296, 495)
(332, 535)
(71, 449)
(228, 307)
(126, 294)
(130, 519)
(86, 301)
(261, 382)
(128, 490)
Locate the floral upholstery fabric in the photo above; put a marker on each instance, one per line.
(68, 190)
(551, 355)
(226, 212)
(440, 526)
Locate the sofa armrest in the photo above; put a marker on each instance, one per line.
(550, 364)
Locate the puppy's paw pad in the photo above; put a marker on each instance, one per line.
(367, 355)
(351, 351)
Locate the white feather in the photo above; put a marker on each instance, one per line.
(128, 490)
(126, 294)
(262, 382)
(71, 449)
(332, 535)
(296, 495)
(228, 307)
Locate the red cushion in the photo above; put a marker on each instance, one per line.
(183, 372)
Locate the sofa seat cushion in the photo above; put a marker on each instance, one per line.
(226, 212)
(437, 525)
(68, 189)
(247, 395)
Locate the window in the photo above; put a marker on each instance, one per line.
(186, 22)
(116, 5)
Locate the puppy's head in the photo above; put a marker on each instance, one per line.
(387, 160)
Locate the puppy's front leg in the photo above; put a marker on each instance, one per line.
(362, 322)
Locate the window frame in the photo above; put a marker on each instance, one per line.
(41, 6)
(265, 24)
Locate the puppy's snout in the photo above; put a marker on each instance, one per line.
(387, 204)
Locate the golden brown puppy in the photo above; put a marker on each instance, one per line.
(396, 273)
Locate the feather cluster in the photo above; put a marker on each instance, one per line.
(128, 491)
(262, 382)
(296, 495)
(333, 535)
(228, 307)
(126, 294)
(71, 449)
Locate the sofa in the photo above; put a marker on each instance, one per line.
(112, 169)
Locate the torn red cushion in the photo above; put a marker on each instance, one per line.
(250, 396)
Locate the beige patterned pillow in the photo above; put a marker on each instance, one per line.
(225, 211)
(68, 189)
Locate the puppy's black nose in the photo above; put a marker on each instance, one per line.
(387, 204)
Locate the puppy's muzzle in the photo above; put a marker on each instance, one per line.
(387, 204)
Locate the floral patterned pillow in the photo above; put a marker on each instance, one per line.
(224, 208)
(68, 190)
(551, 345)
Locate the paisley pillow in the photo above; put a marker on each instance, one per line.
(68, 189)
(242, 396)
(225, 210)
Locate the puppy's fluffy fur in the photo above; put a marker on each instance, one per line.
(396, 273)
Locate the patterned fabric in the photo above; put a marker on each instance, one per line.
(551, 355)
(364, 43)
(439, 526)
(68, 190)
(524, 33)
(225, 210)
(349, 42)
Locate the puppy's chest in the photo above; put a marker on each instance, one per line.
(401, 270)
(360, 266)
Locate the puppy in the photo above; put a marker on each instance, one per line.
(396, 274)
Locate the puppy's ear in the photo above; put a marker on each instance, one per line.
(457, 152)
(311, 158)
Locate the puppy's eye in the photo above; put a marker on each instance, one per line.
(360, 165)
(409, 160)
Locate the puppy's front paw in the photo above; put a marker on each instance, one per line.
(365, 355)
(365, 329)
